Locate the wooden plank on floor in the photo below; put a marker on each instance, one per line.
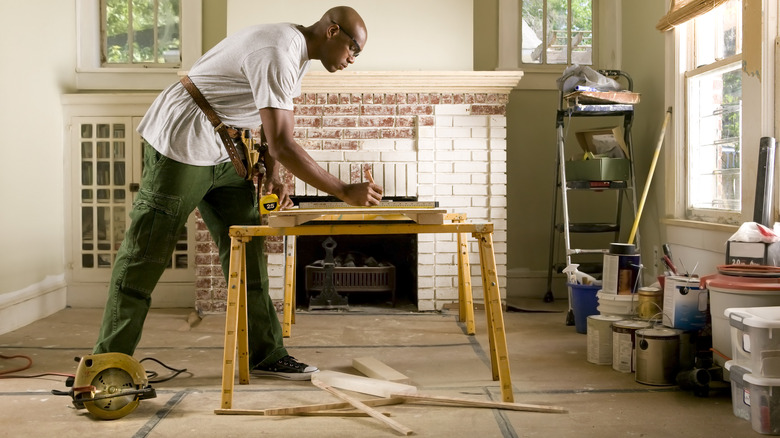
(374, 368)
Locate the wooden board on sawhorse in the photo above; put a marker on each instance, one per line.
(236, 335)
(465, 296)
(293, 217)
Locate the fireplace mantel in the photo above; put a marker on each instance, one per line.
(411, 81)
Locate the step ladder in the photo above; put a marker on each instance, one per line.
(622, 189)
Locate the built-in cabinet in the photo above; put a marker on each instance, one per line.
(105, 166)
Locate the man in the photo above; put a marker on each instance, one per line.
(249, 79)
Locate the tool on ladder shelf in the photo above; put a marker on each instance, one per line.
(589, 100)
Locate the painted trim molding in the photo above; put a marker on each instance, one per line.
(411, 81)
(34, 302)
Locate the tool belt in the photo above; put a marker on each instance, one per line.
(254, 162)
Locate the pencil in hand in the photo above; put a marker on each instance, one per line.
(368, 176)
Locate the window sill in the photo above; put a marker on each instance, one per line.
(704, 226)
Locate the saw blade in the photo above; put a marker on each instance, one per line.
(112, 381)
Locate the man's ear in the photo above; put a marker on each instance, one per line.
(332, 30)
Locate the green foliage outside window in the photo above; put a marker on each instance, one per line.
(141, 31)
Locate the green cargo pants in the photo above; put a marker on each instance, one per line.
(170, 191)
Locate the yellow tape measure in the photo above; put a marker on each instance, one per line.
(269, 203)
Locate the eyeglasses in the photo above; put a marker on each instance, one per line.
(355, 53)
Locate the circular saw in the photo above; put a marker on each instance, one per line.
(110, 385)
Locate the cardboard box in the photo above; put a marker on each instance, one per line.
(752, 253)
(609, 142)
(686, 303)
(601, 169)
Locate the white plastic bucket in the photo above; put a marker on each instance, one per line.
(617, 305)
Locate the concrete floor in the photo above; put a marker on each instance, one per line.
(547, 359)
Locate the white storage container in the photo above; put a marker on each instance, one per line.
(617, 305)
(740, 396)
(755, 339)
(764, 402)
(755, 289)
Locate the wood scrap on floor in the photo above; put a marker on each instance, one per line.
(374, 368)
(360, 405)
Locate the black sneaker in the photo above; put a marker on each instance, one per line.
(286, 368)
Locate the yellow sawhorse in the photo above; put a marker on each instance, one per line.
(236, 335)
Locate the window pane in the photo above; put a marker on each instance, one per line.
(142, 31)
(714, 128)
(546, 38)
(533, 31)
(168, 36)
(557, 31)
(582, 32)
(117, 25)
(718, 33)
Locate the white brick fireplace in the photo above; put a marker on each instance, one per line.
(436, 136)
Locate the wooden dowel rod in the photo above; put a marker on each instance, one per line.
(462, 402)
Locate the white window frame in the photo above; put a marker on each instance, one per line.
(607, 26)
(90, 75)
(758, 113)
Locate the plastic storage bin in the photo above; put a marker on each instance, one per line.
(764, 403)
(740, 397)
(727, 291)
(755, 339)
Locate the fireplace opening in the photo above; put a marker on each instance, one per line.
(369, 270)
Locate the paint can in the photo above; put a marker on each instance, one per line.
(600, 338)
(624, 344)
(657, 356)
(621, 269)
(650, 303)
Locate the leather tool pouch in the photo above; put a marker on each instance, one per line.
(254, 153)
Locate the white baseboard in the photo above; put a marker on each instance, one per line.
(165, 295)
(523, 283)
(37, 301)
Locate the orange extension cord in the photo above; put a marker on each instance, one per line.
(9, 374)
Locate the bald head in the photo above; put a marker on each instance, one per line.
(349, 20)
(337, 38)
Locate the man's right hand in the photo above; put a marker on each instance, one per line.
(363, 194)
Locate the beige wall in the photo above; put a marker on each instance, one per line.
(405, 35)
(402, 34)
(36, 68)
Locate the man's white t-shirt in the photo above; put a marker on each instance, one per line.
(257, 67)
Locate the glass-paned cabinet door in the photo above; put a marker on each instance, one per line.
(107, 171)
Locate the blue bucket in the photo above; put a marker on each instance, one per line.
(583, 304)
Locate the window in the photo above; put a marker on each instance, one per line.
(721, 71)
(557, 32)
(714, 97)
(131, 44)
(140, 32)
(542, 37)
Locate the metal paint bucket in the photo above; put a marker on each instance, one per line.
(650, 304)
(624, 344)
(600, 338)
(657, 356)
